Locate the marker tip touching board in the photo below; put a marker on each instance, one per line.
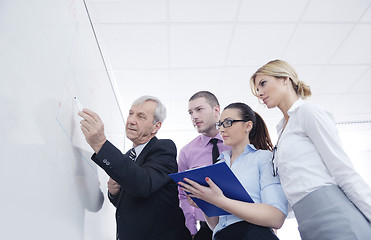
(78, 103)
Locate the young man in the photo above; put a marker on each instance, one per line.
(204, 109)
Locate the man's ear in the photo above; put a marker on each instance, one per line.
(217, 111)
(157, 127)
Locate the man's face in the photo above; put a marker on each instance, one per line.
(203, 116)
(139, 124)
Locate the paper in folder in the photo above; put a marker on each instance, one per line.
(223, 177)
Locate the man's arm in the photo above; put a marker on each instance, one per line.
(188, 210)
(140, 181)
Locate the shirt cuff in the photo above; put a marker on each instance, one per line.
(111, 196)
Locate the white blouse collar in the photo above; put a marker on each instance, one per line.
(292, 109)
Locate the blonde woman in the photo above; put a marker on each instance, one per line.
(329, 198)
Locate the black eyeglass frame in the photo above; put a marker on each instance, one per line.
(229, 123)
(275, 168)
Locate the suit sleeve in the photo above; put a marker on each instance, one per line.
(139, 181)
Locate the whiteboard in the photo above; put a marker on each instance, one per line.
(48, 54)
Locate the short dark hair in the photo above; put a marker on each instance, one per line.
(210, 98)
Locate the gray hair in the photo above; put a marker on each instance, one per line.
(160, 111)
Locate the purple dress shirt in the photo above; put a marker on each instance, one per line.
(195, 154)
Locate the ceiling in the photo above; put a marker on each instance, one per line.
(174, 48)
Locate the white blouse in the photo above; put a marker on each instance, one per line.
(310, 155)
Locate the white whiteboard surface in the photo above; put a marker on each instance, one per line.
(48, 54)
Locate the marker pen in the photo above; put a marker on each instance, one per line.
(78, 104)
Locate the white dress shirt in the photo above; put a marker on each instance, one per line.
(138, 149)
(310, 155)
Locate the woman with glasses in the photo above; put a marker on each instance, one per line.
(250, 160)
(329, 198)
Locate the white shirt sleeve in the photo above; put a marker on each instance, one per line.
(320, 127)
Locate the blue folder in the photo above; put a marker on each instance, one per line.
(223, 177)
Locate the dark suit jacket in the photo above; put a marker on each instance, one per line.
(147, 207)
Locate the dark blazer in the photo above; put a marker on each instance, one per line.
(147, 207)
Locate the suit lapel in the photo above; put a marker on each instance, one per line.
(143, 155)
(140, 161)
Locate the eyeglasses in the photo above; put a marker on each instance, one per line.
(227, 123)
(275, 168)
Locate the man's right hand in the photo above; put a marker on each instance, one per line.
(93, 129)
(113, 187)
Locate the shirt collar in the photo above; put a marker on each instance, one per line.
(250, 148)
(139, 148)
(295, 106)
(292, 109)
(227, 154)
(205, 139)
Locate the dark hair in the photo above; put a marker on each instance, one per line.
(210, 98)
(259, 135)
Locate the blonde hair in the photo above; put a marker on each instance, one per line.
(281, 69)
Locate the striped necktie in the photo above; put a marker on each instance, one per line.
(132, 154)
